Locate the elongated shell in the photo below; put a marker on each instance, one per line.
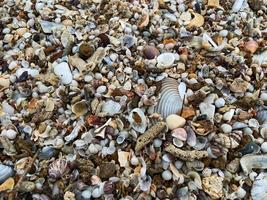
(170, 101)
(5, 172)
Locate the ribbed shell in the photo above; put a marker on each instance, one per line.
(170, 101)
(5, 172)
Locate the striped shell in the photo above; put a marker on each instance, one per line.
(58, 168)
(230, 141)
(5, 172)
(170, 101)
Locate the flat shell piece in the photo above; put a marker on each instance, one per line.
(213, 185)
(197, 21)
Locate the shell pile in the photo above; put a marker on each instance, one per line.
(133, 100)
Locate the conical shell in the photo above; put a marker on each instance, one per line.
(170, 101)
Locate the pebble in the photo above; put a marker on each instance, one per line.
(220, 102)
(239, 125)
(229, 115)
(101, 89)
(263, 96)
(175, 121)
(226, 128)
(166, 175)
(264, 147)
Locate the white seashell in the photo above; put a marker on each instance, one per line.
(66, 39)
(79, 144)
(207, 109)
(5, 172)
(253, 123)
(93, 149)
(249, 162)
(121, 138)
(237, 5)
(157, 142)
(263, 132)
(240, 193)
(86, 194)
(264, 147)
(32, 72)
(49, 27)
(111, 107)
(10, 134)
(170, 101)
(196, 177)
(260, 58)
(178, 164)
(259, 187)
(7, 108)
(74, 133)
(137, 120)
(123, 157)
(165, 60)
(62, 70)
(96, 193)
(166, 175)
(200, 143)
(177, 142)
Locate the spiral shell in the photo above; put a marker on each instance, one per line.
(58, 168)
(170, 101)
(5, 172)
(230, 141)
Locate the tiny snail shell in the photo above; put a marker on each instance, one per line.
(166, 175)
(58, 168)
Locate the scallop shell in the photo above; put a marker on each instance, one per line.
(5, 172)
(58, 168)
(259, 187)
(137, 120)
(170, 101)
(79, 108)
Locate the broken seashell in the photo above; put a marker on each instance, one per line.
(251, 46)
(259, 187)
(62, 70)
(180, 134)
(111, 107)
(177, 142)
(165, 60)
(196, 177)
(10, 133)
(177, 176)
(249, 162)
(144, 21)
(79, 108)
(171, 102)
(261, 58)
(191, 136)
(202, 126)
(123, 157)
(200, 143)
(215, 4)
(58, 168)
(7, 185)
(237, 5)
(213, 186)
(197, 21)
(137, 120)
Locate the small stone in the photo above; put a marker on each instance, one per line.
(167, 175)
(175, 121)
(107, 170)
(101, 89)
(239, 125)
(62, 70)
(264, 147)
(263, 96)
(220, 102)
(26, 186)
(226, 128)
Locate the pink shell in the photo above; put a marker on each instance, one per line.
(180, 134)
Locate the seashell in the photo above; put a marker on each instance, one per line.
(86, 194)
(26, 186)
(58, 168)
(180, 134)
(191, 136)
(133, 159)
(249, 162)
(177, 176)
(96, 193)
(182, 193)
(202, 126)
(10, 133)
(9, 148)
(237, 5)
(262, 114)
(7, 185)
(95, 59)
(263, 132)
(111, 107)
(145, 183)
(239, 85)
(40, 197)
(166, 175)
(251, 46)
(79, 108)
(86, 51)
(196, 165)
(177, 142)
(95, 180)
(150, 52)
(215, 4)
(230, 141)
(123, 157)
(137, 120)
(213, 186)
(259, 187)
(157, 143)
(62, 70)
(215, 151)
(233, 166)
(196, 177)
(250, 148)
(46, 153)
(144, 21)
(165, 60)
(170, 101)
(129, 41)
(108, 187)
(197, 21)
(261, 58)
(5, 172)
(201, 142)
